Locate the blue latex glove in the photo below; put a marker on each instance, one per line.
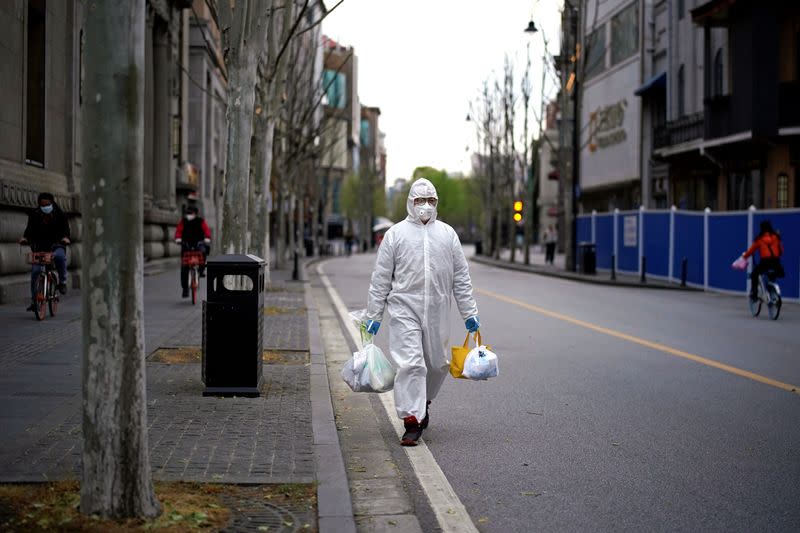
(473, 323)
(373, 326)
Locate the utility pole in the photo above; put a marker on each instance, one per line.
(572, 185)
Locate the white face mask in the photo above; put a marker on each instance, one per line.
(191, 217)
(425, 212)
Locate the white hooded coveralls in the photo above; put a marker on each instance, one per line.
(419, 267)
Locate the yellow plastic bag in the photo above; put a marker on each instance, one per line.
(459, 354)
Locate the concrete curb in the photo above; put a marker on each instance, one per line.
(578, 277)
(334, 505)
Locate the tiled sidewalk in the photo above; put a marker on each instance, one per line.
(192, 438)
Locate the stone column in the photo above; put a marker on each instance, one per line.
(148, 111)
(162, 125)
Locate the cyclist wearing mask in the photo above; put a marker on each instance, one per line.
(192, 233)
(48, 231)
(419, 269)
(770, 249)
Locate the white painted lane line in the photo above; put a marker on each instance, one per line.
(447, 507)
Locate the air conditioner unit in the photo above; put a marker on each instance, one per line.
(660, 186)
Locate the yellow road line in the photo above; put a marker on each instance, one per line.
(643, 342)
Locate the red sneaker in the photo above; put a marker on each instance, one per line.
(424, 423)
(413, 431)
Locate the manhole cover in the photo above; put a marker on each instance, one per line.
(194, 354)
(251, 510)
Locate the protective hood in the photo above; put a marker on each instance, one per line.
(422, 188)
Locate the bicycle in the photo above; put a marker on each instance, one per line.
(45, 293)
(194, 260)
(769, 292)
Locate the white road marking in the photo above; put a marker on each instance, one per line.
(450, 512)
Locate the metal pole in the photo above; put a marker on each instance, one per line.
(684, 271)
(576, 147)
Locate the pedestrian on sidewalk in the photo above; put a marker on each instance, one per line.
(47, 231)
(192, 233)
(419, 268)
(550, 239)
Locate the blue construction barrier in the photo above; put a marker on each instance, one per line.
(665, 235)
(584, 230)
(688, 244)
(604, 238)
(727, 239)
(656, 243)
(628, 241)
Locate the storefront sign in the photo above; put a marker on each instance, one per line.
(605, 126)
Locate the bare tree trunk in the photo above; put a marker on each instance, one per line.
(244, 25)
(116, 477)
(292, 225)
(261, 170)
(280, 242)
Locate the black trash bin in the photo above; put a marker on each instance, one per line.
(587, 258)
(233, 326)
(478, 248)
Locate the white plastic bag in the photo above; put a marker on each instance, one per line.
(481, 363)
(368, 370)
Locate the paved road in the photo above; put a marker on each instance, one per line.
(589, 427)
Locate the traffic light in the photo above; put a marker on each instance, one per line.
(518, 211)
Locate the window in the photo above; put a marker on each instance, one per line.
(596, 52)
(35, 104)
(625, 33)
(744, 190)
(681, 9)
(783, 191)
(335, 86)
(681, 92)
(719, 72)
(364, 134)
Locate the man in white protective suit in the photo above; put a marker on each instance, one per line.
(420, 266)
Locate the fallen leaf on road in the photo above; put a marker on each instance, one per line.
(530, 493)
(534, 413)
(483, 519)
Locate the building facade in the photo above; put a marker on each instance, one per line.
(341, 130)
(41, 53)
(720, 120)
(548, 201)
(610, 72)
(207, 124)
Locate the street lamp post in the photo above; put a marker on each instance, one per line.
(576, 149)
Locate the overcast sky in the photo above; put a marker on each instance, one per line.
(423, 61)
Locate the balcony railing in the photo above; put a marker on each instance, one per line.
(684, 129)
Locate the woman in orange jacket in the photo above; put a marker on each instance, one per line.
(770, 249)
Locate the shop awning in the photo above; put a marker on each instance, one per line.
(659, 81)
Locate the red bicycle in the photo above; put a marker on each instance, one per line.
(45, 293)
(194, 260)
